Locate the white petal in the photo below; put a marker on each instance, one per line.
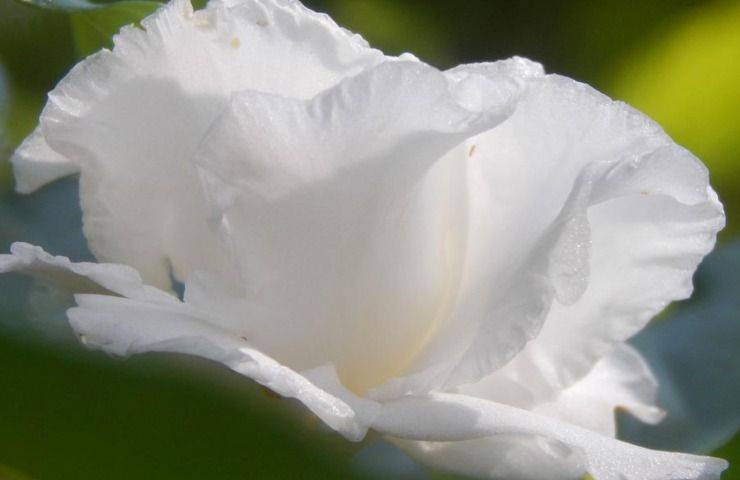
(325, 378)
(122, 327)
(347, 206)
(695, 353)
(502, 457)
(36, 164)
(80, 277)
(152, 320)
(594, 200)
(454, 418)
(621, 380)
(130, 119)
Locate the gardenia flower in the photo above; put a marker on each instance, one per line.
(453, 259)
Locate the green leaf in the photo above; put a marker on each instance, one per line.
(687, 79)
(93, 29)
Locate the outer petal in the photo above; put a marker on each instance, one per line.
(590, 197)
(144, 318)
(621, 380)
(348, 206)
(458, 420)
(80, 277)
(501, 457)
(130, 119)
(123, 327)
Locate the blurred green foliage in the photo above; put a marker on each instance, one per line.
(84, 416)
(94, 28)
(688, 81)
(7, 473)
(36, 49)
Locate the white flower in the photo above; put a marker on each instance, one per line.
(453, 259)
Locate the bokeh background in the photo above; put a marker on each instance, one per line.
(70, 414)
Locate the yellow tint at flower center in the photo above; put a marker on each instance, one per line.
(364, 369)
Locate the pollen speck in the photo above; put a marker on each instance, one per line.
(261, 23)
(471, 150)
(235, 42)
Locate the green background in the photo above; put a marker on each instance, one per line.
(70, 414)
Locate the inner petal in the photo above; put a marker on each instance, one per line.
(346, 218)
(345, 276)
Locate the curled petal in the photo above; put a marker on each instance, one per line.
(452, 418)
(591, 198)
